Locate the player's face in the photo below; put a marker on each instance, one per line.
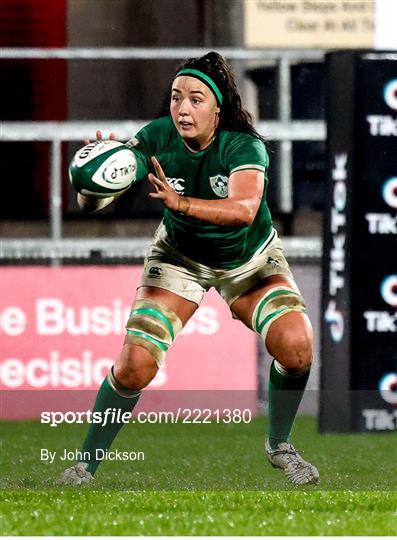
(194, 111)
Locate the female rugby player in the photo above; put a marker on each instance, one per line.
(208, 166)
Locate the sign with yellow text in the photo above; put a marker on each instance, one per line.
(309, 23)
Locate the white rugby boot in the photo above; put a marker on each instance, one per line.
(297, 470)
(76, 475)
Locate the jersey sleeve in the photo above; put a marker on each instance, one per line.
(246, 152)
(142, 155)
(146, 143)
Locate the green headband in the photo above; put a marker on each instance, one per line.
(205, 79)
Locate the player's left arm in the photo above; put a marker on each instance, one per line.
(238, 210)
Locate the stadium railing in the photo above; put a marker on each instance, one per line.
(284, 131)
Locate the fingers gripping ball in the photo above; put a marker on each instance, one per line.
(103, 168)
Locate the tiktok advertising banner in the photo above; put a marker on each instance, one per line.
(359, 341)
(62, 329)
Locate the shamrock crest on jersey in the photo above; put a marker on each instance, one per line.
(219, 185)
(177, 184)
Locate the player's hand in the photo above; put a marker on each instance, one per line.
(164, 191)
(89, 203)
(112, 137)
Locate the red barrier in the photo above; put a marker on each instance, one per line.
(62, 328)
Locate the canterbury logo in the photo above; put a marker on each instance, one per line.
(177, 184)
(273, 262)
(155, 272)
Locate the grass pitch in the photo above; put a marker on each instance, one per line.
(199, 480)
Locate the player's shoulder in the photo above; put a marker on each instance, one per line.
(156, 134)
(229, 135)
(164, 122)
(230, 139)
(160, 126)
(237, 143)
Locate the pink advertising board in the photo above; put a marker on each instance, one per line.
(62, 328)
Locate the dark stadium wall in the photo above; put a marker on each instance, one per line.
(133, 23)
(138, 89)
(31, 90)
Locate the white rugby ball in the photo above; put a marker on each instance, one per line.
(103, 168)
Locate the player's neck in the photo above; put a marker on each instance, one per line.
(195, 145)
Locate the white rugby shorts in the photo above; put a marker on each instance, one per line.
(167, 268)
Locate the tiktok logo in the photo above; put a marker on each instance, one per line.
(388, 388)
(335, 319)
(388, 290)
(390, 94)
(384, 321)
(385, 222)
(389, 192)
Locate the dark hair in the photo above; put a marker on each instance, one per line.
(233, 116)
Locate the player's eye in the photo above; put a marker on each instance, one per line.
(176, 98)
(195, 101)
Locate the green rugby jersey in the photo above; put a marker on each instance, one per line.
(204, 175)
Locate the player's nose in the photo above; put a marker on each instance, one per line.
(184, 107)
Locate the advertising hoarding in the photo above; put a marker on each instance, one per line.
(62, 329)
(359, 351)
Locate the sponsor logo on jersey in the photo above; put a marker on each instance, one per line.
(219, 185)
(155, 272)
(272, 262)
(177, 184)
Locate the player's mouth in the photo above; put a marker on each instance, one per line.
(185, 126)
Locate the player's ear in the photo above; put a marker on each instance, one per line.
(217, 110)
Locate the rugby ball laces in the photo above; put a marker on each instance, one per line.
(103, 168)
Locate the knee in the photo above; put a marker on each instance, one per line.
(296, 351)
(133, 379)
(135, 368)
(292, 347)
(151, 330)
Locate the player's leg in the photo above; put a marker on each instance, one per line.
(275, 309)
(156, 318)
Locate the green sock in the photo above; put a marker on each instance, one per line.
(101, 437)
(285, 393)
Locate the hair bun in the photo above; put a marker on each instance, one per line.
(213, 55)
